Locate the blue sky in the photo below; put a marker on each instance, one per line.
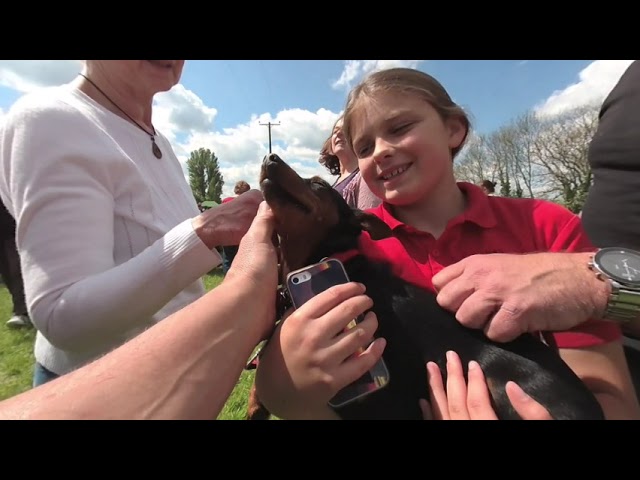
(220, 104)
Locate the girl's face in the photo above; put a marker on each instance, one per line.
(404, 147)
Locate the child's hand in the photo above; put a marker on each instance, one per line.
(471, 402)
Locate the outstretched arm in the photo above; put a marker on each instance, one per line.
(184, 367)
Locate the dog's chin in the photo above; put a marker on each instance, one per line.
(280, 199)
(290, 220)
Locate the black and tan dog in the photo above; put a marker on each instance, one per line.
(314, 222)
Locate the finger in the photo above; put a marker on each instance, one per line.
(452, 295)
(425, 407)
(252, 195)
(262, 226)
(357, 366)
(456, 388)
(329, 299)
(344, 316)
(437, 394)
(476, 310)
(478, 397)
(447, 274)
(355, 340)
(505, 325)
(527, 407)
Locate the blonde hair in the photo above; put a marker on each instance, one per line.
(405, 80)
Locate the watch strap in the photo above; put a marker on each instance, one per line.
(624, 304)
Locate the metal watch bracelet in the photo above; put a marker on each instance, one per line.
(624, 305)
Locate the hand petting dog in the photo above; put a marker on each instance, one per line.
(508, 295)
(459, 401)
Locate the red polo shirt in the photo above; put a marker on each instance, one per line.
(489, 225)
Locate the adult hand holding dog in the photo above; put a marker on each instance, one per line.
(462, 401)
(227, 223)
(255, 267)
(310, 357)
(509, 294)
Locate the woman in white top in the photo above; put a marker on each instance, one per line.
(110, 235)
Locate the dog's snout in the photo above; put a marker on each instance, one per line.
(272, 157)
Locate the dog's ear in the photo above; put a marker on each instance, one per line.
(377, 228)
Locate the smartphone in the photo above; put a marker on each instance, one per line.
(307, 282)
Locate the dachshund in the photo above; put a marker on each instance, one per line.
(313, 222)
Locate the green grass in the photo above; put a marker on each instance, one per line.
(16, 358)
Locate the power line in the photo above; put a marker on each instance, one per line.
(269, 124)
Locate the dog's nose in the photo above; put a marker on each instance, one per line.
(272, 157)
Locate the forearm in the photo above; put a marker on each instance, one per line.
(182, 368)
(604, 371)
(107, 304)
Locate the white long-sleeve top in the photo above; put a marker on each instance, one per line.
(103, 226)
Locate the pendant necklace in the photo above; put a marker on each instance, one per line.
(154, 146)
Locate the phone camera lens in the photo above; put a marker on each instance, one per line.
(295, 280)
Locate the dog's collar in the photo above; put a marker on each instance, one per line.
(344, 256)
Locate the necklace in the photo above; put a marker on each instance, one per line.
(154, 146)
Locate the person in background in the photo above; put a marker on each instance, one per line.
(110, 236)
(338, 158)
(229, 251)
(10, 270)
(488, 187)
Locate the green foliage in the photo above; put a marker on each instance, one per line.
(205, 178)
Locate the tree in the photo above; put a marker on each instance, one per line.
(474, 163)
(204, 175)
(561, 150)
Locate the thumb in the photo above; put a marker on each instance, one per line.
(263, 224)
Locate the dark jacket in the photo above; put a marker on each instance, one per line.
(611, 214)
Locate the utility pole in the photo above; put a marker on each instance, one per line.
(270, 125)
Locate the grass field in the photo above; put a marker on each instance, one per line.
(16, 359)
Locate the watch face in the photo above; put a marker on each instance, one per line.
(620, 264)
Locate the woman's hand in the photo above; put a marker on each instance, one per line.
(460, 401)
(310, 357)
(227, 223)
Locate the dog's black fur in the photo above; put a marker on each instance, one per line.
(416, 328)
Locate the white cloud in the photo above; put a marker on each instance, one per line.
(27, 75)
(240, 149)
(181, 110)
(354, 70)
(594, 84)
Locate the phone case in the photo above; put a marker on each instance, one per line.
(303, 285)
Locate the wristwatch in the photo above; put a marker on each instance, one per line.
(621, 268)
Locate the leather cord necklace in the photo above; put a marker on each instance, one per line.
(154, 146)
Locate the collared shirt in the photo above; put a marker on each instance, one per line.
(489, 224)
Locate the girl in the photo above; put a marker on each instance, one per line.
(405, 130)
